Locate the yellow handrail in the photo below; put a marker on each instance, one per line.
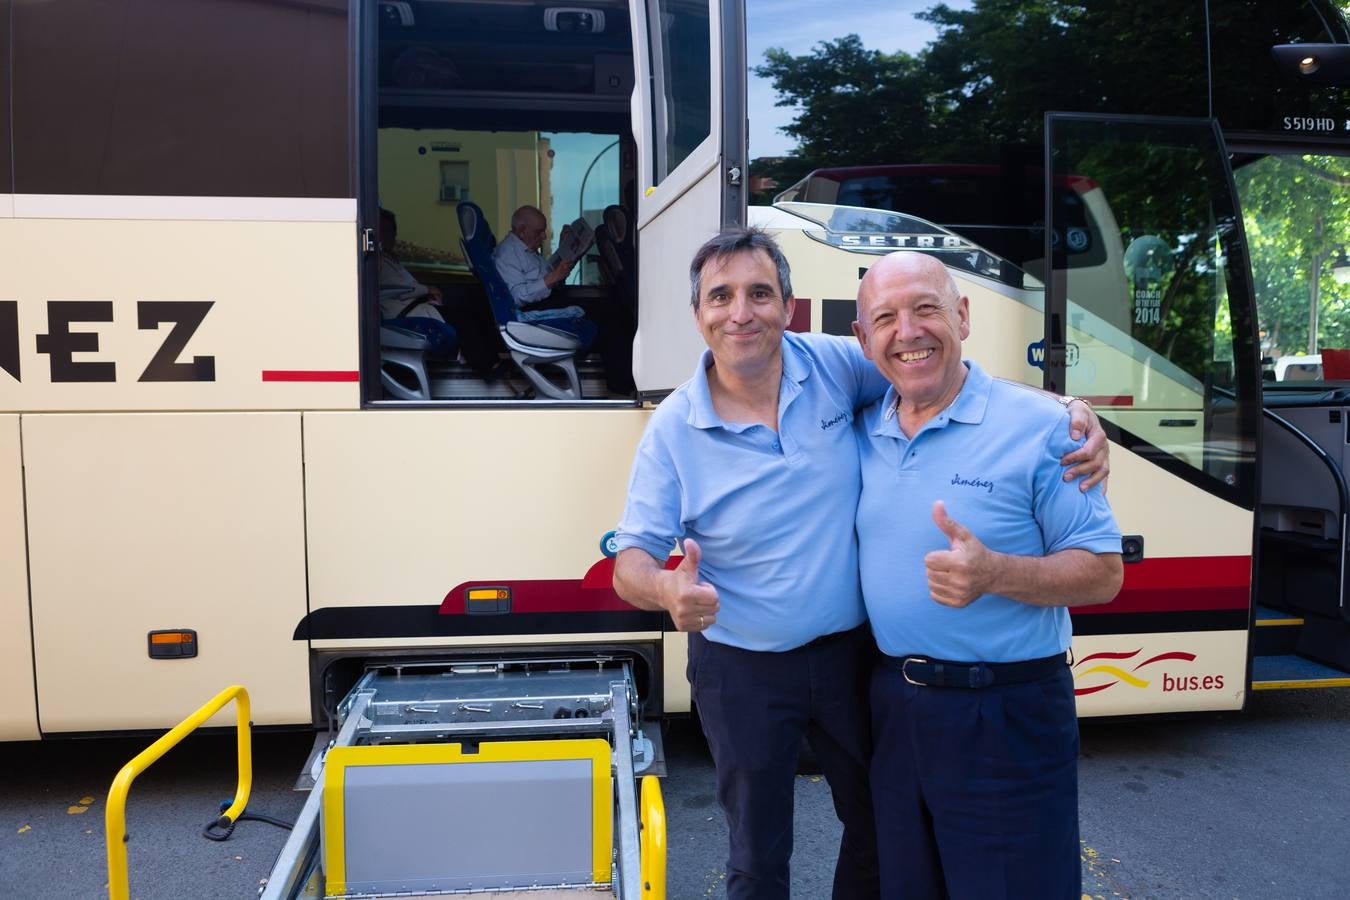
(652, 844)
(115, 817)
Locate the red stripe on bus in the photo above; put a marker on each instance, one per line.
(311, 375)
(601, 575)
(560, 595)
(1111, 400)
(1181, 584)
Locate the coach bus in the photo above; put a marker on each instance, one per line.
(218, 465)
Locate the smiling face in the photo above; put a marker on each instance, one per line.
(911, 322)
(741, 312)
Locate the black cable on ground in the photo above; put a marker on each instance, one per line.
(221, 828)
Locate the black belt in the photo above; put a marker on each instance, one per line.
(927, 672)
(832, 636)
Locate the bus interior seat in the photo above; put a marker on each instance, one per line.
(614, 238)
(534, 344)
(403, 363)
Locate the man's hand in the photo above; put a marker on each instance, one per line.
(692, 604)
(1092, 461)
(966, 571)
(559, 273)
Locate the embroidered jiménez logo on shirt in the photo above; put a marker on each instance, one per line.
(988, 486)
(827, 424)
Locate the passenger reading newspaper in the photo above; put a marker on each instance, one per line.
(574, 240)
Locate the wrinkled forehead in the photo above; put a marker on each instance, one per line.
(720, 270)
(908, 285)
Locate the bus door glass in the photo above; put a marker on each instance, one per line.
(1151, 309)
(689, 114)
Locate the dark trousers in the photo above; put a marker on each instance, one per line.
(976, 790)
(614, 339)
(755, 707)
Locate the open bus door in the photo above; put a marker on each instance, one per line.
(690, 104)
(1167, 354)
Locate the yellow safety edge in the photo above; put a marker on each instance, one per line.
(596, 750)
(652, 844)
(115, 817)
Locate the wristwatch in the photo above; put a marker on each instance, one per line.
(1069, 398)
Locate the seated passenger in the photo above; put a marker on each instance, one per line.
(452, 332)
(531, 280)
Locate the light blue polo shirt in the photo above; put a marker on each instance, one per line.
(993, 457)
(772, 512)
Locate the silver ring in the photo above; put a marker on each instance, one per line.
(701, 626)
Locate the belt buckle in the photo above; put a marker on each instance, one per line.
(905, 673)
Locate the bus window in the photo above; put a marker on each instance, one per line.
(6, 172)
(998, 208)
(1252, 91)
(1160, 350)
(528, 108)
(180, 98)
(1296, 210)
(682, 77)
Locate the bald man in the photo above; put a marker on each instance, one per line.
(971, 546)
(532, 281)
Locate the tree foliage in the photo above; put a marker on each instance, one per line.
(978, 93)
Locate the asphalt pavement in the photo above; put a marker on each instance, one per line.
(1252, 805)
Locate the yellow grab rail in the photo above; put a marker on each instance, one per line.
(115, 817)
(652, 844)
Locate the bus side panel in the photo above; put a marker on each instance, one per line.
(1129, 674)
(1205, 543)
(675, 658)
(402, 506)
(18, 714)
(146, 522)
(145, 303)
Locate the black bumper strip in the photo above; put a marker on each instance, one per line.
(343, 623)
(1159, 623)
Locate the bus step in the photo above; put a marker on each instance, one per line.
(1325, 640)
(1276, 632)
(1289, 672)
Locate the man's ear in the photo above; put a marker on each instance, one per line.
(861, 335)
(789, 309)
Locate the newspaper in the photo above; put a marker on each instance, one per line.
(575, 239)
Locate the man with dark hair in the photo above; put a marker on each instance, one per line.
(752, 465)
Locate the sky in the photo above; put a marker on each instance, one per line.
(798, 25)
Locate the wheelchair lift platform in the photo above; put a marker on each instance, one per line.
(501, 778)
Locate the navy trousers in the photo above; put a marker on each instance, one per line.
(976, 790)
(755, 707)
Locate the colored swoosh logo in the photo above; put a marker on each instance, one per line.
(1120, 674)
(1117, 674)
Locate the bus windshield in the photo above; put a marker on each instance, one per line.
(1296, 212)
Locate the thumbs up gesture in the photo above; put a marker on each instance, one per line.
(959, 575)
(692, 604)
